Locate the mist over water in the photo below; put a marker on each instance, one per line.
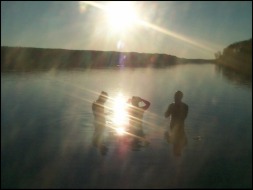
(47, 128)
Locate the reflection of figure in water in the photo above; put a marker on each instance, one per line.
(178, 111)
(136, 116)
(99, 121)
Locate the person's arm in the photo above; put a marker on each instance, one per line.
(147, 104)
(186, 111)
(168, 112)
(93, 107)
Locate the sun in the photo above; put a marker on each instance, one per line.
(121, 15)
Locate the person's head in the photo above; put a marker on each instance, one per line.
(135, 100)
(178, 96)
(103, 97)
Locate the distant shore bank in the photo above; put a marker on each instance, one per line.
(32, 59)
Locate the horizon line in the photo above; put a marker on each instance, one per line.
(103, 51)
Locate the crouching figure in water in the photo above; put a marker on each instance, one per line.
(136, 113)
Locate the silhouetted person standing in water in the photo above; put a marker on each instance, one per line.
(99, 122)
(136, 116)
(178, 112)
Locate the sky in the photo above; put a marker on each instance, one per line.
(186, 29)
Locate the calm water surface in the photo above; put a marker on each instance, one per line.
(47, 127)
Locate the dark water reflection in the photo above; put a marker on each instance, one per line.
(235, 77)
(46, 130)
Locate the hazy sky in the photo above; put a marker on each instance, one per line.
(185, 29)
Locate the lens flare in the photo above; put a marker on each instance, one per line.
(120, 116)
(120, 131)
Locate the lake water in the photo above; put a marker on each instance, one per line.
(47, 128)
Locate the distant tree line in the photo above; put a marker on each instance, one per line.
(29, 59)
(237, 56)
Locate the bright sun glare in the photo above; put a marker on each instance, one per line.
(120, 116)
(121, 15)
